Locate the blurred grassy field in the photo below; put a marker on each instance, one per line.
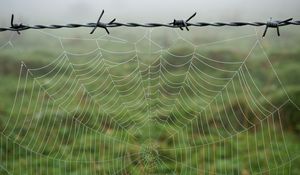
(124, 104)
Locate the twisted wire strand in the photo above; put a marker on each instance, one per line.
(150, 25)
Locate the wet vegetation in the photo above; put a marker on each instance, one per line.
(212, 109)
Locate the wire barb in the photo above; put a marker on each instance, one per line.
(276, 24)
(15, 27)
(101, 24)
(183, 23)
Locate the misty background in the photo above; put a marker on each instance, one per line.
(142, 101)
(68, 11)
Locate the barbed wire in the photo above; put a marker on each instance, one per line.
(181, 24)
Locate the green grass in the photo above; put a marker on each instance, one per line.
(77, 116)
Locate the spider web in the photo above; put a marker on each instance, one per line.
(141, 104)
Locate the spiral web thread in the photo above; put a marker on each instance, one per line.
(112, 120)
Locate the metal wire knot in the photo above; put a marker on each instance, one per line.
(16, 27)
(101, 24)
(183, 23)
(275, 24)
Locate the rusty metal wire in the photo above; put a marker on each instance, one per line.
(175, 24)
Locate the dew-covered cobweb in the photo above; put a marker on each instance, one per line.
(144, 101)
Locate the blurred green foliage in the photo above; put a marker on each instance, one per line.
(234, 136)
